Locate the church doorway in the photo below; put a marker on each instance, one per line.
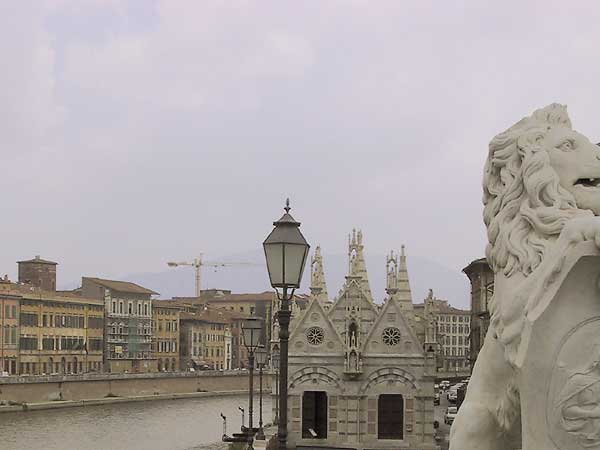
(314, 415)
(390, 417)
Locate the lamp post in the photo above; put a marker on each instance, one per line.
(285, 251)
(251, 330)
(261, 360)
(275, 366)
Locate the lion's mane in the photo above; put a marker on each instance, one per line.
(525, 207)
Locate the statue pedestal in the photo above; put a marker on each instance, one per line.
(560, 377)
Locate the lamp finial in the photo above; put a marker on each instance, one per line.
(287, 205)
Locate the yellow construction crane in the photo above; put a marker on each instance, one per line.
(197, 264)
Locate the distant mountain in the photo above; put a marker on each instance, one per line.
(448, 284)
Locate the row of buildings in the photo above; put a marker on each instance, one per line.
(361, 373)
(117, 326)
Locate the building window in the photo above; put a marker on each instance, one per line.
(29, 320)
(28, 343)
(130, 308)
(390, 416)
(314, 415)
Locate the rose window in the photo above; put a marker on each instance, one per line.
(391, 336)
(315, 335)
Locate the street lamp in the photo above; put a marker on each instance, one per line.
(261, 360)
(286, 251)
(275, 366)
(251, 331)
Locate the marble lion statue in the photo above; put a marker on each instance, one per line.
(541, 197)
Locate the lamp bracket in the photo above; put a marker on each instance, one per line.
(280, 296)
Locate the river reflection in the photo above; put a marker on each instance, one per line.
(156, 425)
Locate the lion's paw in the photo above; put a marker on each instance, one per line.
(582, 229)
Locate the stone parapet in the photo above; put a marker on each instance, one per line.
(40, 389)
(116, 376)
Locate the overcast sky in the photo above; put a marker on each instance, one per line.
(136, 132)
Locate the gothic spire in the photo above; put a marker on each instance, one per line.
(404, 294)
(356, 262)
(318, 286)
(391, 267)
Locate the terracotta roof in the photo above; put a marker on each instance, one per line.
(266, 296)
(38, 260)
(30, 293)
(206, 316)
(158, 303)
(122, 286)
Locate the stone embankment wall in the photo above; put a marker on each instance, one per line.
(35, 389)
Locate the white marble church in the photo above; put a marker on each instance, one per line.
(358, 376)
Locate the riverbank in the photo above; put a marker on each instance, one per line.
(58, 404)
(89, 388)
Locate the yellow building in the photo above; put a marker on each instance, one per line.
(165, 323)
(59, 333)
(206, 339)
(9, 330)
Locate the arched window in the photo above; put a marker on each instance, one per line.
(353, 334)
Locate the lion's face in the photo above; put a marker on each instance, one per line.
(577, 163)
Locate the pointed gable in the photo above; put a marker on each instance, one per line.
(304, 339)
(352, 305)
(390, 326)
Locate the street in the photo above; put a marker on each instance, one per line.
(444, 430)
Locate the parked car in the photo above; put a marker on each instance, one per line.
(444, 384)
(451, 412)
(451, 396)
(436, 386)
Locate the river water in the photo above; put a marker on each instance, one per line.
(190, 424)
